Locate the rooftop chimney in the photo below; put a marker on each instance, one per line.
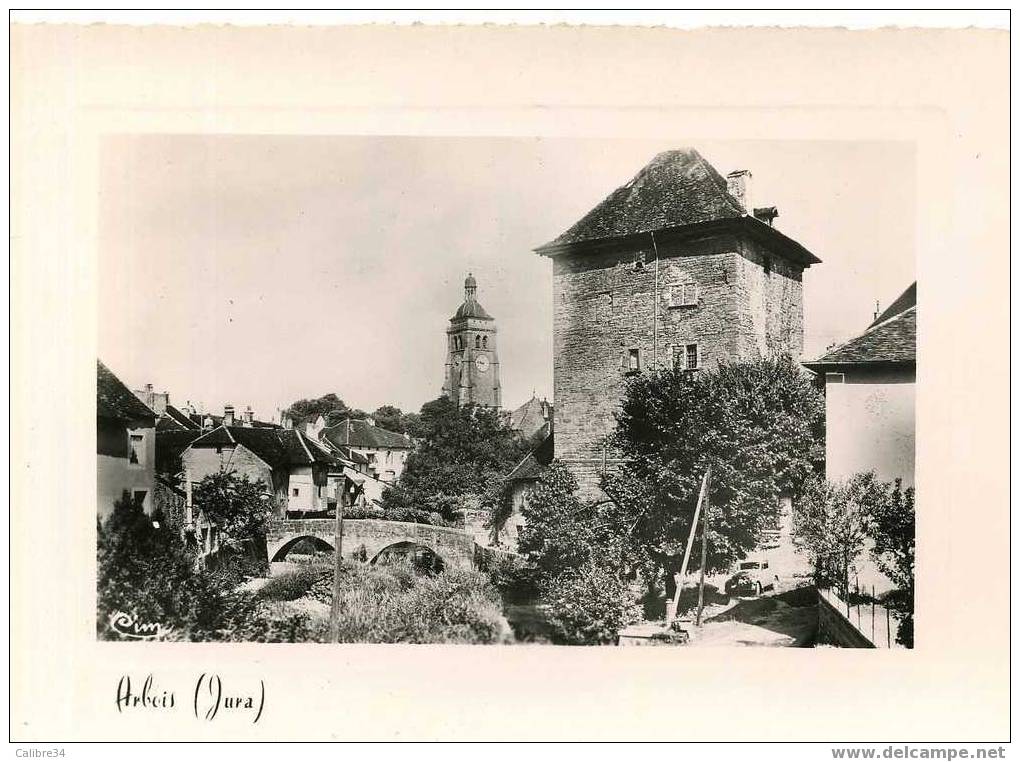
(738, 183)
(249, 416)
(228, 415)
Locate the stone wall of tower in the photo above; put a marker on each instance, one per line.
(605, 306)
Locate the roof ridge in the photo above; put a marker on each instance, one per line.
(889, 319)
(301, 439)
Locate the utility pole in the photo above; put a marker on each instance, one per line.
(671, 607)
(704, 559)
(338, 537)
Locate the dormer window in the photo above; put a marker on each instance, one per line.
(684, 295)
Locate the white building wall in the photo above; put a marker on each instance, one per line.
(869, 424)
(114, 475)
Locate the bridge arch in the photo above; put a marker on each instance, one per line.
(422, 556)
(282, 550)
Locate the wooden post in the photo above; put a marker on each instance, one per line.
(189, 517)
(338, 537)
(704, 560)
(888, 628)
(872, 613)
(672, 606)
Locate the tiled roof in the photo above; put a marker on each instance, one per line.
(530, 417)
(535, 462)
(175, 420)
(114, 400)
(277, 447)
(180, 418)
(891, 342)
(169, 446)
(353, 456)
(907, 299)
(360, 433)
(675, 188)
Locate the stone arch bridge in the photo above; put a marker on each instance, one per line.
(454, 546)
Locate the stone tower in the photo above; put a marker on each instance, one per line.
(472, 363)
(677, 268)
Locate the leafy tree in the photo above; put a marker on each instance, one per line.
(832, 523)
(236, 505)
(892, 530)
(390, 418)
(460, 452)
(758, 423)
(561, 532)
(583, 556)
(329, 405)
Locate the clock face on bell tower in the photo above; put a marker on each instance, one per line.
(472, 362)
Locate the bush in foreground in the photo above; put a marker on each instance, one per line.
(391, 604)
(590, 606)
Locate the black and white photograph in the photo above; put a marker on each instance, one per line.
(495, 391)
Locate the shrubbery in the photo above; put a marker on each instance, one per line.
(397, 513)
(391, 604)
(147, 571)
(290, 586)
(590, 606)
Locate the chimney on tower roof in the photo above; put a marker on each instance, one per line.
(738, 183)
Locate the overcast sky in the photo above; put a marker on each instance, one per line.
(260, 270)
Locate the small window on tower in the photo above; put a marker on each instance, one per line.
(485, 342)
(683, 295)
(478, 342)
(686, 357)
(633, 360)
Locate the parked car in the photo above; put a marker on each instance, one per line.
(752, 578)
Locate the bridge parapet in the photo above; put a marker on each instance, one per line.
(455, 546)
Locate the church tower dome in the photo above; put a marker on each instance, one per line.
(472, 362)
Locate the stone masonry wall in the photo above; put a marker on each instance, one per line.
(770, 288)
(604, 306)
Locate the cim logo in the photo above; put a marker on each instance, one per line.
(128, 626)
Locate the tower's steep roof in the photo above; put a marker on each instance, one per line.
(675, 188)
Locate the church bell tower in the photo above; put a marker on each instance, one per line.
(472, 364)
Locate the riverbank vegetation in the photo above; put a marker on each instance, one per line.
(147, 573)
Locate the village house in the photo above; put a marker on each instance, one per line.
(870, 395)
(532, 420)
(125, 444)
(677, 268)
(294, 467)
(385, 452)
(520, 481)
